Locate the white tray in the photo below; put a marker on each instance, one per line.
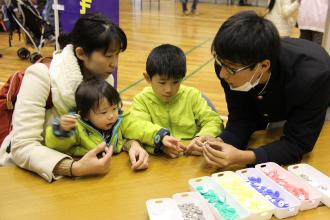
(292, 201)
(314, 195)
(315, 178)
(163, 209)
(228, 180)
(207, 183)
(194, 197)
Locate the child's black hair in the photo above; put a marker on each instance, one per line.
(90, 93)
(94, 31)
(167, 61)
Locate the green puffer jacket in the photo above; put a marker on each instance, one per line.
(85, 137)
(187, 115)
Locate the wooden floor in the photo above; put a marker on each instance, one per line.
(148, 28)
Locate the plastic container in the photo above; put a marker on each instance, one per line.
(315, 178)
(258, 206)
(163, 209)
(314, 197)
(279, 212)
(208, 184)
(194, 197)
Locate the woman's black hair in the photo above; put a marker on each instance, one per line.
(90, 93)
(246, 38)
(167, 61)
(94, 31)
(271, 5)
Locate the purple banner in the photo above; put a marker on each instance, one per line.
(73, 9)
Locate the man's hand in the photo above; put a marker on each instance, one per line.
(219, 154)
(195, 147)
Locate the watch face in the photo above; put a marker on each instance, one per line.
(157, 138)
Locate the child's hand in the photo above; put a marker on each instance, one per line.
(68, 122)
(172, 146)
(138, 156)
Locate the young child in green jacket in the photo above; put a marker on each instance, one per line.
(167, 103)
(100, 120)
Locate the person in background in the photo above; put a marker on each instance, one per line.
(185, 7)
(311, 19)
(243, 3)
(281, 12)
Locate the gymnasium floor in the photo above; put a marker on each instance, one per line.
(148, 28)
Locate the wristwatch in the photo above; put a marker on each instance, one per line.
(158, 140)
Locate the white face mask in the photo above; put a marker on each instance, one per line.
(248, 85)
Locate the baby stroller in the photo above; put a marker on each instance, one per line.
(24, 16)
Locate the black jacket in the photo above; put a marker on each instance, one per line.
(298, 92)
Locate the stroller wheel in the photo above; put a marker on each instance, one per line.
(23, 53)
(34, 57)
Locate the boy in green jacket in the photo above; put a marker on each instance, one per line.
(101, 120)
(167, 103)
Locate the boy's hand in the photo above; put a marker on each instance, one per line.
(195, 147)
(172, 146)
(138, 156)
(68, 122)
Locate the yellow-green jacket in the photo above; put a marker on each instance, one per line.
(85, 137)
(187, 115)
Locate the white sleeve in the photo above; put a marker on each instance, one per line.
(29, 115)
(289, 8)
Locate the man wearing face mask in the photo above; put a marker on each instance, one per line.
(267, 79)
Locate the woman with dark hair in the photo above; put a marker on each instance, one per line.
(280, 12)
(90, 50)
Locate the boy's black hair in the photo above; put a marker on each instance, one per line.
(90, 93)
(167, 61)
(246, 38)
(94, 31)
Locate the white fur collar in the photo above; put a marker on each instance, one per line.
(65, 77)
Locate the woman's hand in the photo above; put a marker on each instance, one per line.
(90, 164)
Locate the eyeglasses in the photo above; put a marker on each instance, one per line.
(230, 70)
